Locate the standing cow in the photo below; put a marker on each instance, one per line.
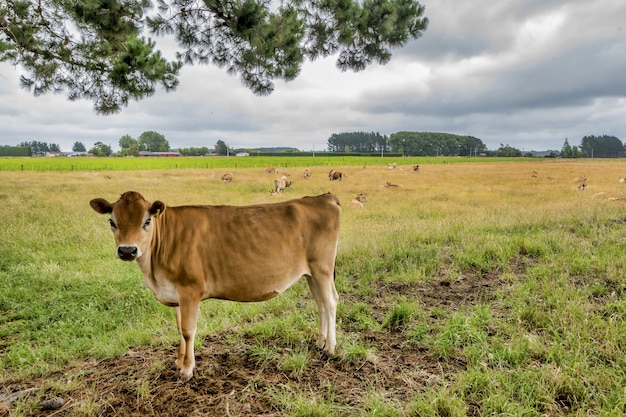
(191, 253)
(281, 183)
(227, 178)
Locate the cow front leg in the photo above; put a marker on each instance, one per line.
(187, 320)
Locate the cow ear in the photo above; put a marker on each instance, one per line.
(157, 208)
(101, 206)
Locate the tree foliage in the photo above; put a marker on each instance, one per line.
(38, 148)
(221, 148)
(435, 144)
(357, 142)
(128, 146)
(153, 142)
(569, 151)
(602, 146)
(6, 150)
(94, 49)
(194, 151)
(79, 147)
(100, 149)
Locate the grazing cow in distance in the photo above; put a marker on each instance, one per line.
(622, 180)
(192, 253)
(582, 186)
(358, 201)
(416, 167)
(335, 175)
(228, 177)
(280, 184)
(390, 185)
(392, 165)
(271, 170)
(307, 173)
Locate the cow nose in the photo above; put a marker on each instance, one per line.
(127, 253)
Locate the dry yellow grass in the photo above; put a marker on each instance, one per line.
(497, 193)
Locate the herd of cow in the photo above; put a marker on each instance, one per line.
(282, 183)
(188, 254)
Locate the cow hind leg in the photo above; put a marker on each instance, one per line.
(322, 286)
(187, 320)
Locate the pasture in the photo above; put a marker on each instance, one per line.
(470, 289)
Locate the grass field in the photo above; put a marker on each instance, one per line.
(473, 289)
(89, 164)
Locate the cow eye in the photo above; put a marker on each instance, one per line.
(147, 223)
(112, 223)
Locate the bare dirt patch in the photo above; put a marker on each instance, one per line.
(230, 380)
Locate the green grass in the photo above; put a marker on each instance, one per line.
(91, 164)
(550, 339)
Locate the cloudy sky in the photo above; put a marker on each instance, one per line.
(528, 73)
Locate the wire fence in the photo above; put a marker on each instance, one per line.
(89, 164)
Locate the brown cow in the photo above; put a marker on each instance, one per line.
(228, 177)
(307, 173)
(358, 201)
(191, 253)
(271, 170)
(335, 175)
(281, 183)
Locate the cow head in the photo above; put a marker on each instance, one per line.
(131, 222)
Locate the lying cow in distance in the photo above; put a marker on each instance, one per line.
(191, 253)
(358, 201)
(228, 177)
(335, 175)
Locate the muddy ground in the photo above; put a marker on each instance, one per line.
(230, 381)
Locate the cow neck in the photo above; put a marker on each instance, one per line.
(145, 261)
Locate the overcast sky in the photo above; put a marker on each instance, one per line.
(528, 73)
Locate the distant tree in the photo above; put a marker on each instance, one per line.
(508, 150)
(54, 147)
(602, 146)
(435, 144)
(221, 148)
(357, 142)
(36, 148)
(194, 151)
(566, 150)
(126, 141)
(7, 150)
(153, 142)
(100, 50)
(100, 149)
(128, 146)
(79, 147)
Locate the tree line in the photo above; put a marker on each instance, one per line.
(404, 143)
(604, 146)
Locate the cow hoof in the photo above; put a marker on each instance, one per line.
(185, 378)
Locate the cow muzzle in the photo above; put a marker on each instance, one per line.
(127, 252)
